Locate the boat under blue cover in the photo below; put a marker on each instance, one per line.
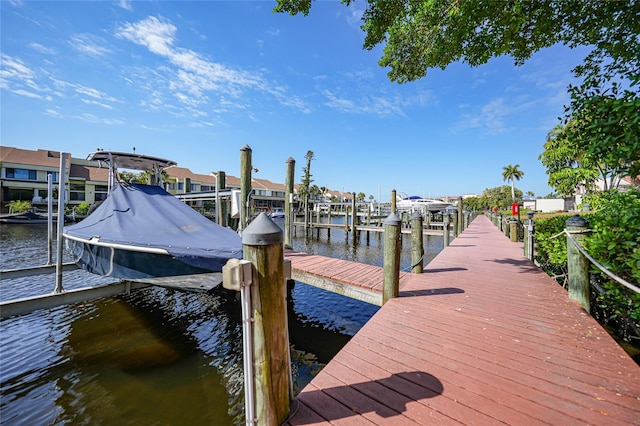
(142, 231)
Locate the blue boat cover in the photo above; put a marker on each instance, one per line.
(148, 216)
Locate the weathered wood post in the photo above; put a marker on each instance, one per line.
(262, 246)
(354, 218)
(505, 227)
(306, 215)
(456, 230)
(513, 229)
(393, 201)
(528, 236)
(417, 243)
(460, 216)
(392, 248)
(577, 264)
(445, 229)
(288, 198)
(346, 221)
(499, 221)
(245, 184)
(221, 207)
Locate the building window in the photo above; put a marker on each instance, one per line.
(76, 191)
(194, 187)
(101, 192)
(171, 186)
(23, 174)
(180, 186)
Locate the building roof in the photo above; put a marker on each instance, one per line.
(41, 157)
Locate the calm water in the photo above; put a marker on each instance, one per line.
(156, 356)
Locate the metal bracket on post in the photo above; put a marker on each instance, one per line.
(236, 274)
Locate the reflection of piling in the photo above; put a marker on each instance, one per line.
(262, 246)
(392, 248)
(417, 246)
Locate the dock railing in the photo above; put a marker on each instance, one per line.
(578, 279)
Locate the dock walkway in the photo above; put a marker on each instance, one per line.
(481, 337)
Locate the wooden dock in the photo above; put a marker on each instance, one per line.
(481, 337)
(371, 228)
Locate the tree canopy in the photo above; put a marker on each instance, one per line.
(433, 34)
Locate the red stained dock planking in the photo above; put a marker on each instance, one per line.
(481, 337)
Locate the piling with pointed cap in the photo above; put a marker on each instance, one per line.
(245, 184)
(417, 245)
(392, 248)
(288, 195)
(262, 246)
(577, 264)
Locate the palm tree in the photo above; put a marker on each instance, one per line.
(512, 173)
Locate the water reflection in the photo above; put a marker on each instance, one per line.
(156, 356)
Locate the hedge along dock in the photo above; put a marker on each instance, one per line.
(482, 336)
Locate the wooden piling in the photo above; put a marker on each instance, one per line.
(445, 229)
(456, 230)
(577, 264)
(513, 230)
(392, 248)
(354, 218)
(221, 207)
(393, 201)
(460, 216)
(262, 246)
(288, 205)
(417, 244)
(245, 184)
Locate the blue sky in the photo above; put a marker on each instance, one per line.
(196, 81)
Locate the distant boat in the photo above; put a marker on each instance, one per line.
(414, 202)
(142, 231)
(277, 213)
(29, 218)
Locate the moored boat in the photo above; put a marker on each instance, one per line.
(415, 202)
(142, 231)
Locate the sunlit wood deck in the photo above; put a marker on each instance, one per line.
(481, 337)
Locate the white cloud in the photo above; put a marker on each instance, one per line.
(490, 118)
(125, 4)
(26, 93)
(42, 49)
(193, 76)
(89, 44)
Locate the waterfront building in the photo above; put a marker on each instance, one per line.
(23, 177)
